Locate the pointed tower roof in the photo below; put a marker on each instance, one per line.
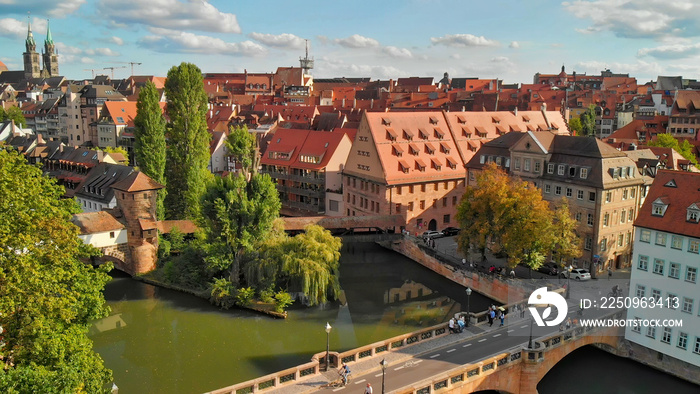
(29, 42)
(49, 39)
(137, 182)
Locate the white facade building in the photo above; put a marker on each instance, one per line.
(666, 262)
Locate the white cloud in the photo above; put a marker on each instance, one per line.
(166, 40)
(673, 51)
(514, 45)
(52, 8)
(357, 41)
(398, 52)
(639, 69)
(334, 67)
(285, 40)
(101, 52)
(638, 18)
(116, 40)
(170, 14)
(70, 54)
(16, 29)
(463, 40)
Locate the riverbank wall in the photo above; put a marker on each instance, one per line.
(660, 361)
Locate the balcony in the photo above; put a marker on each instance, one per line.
(316, 180)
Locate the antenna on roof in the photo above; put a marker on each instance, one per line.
(306, 63)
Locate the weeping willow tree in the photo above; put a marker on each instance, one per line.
(307, 263)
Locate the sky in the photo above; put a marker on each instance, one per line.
(506, 39)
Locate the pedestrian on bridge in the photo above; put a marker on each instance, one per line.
(368, 389)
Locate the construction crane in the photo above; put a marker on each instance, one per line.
(131, 64)
(112, 68)
(90, 69)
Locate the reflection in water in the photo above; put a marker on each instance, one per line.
(158, 340)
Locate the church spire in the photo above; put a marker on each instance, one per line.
(49, 39)
(29, 42)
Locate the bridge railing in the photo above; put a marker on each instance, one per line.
(451, 379)
(318, 361)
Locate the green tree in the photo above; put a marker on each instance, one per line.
(588, 122)
(575, 126)
(188, 145)
(238, 213)
(684, 148)
(149, 140)
(48, 295)
(13, 113)
(243, 147)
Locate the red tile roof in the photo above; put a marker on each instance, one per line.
(137, 181)
(184, 226)
(681, 196)
(96, 222)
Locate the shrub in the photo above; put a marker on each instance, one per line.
(244, 295)
(282, 300)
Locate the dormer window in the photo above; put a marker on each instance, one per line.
(438, 133)
(659, 206)
(693, 213)
(429, 149)
(433, 120)
(390, 134)
(407, 134)
(413, 149)
(422, 134)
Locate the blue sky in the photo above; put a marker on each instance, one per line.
(505, 39)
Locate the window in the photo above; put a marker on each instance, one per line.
(569, 192)
(623, 216)
(620, 240)
(656, 294)
(672, 301)
(637, 327)
(651, 331)
(111, 234)
(628, 238)
(691, 274)
(557, 190)
(641, 291)
(591, 196)
(693, 246)
(682, 340)
(410, 205)
(584, 173)
(643, 263)
(606, 219)
(398, 207)
(696, 347)
(676, 242)
(659, 266)
(547, 188)
(645, 236)
(560, 169)
(604, 244)
(517, 163)
(666, 336)
(588, 243)
(454, 200)
(550, 168)
(687, 305)
(422, 187)
(578, 216)
(422, 204)
(579, 194)
(608, 196)
(410, 189)
(692, 215)
(658, 209)
(538, 165)
(590, 219)
(444, 201)
(526, 165)
(660, 238)
(674, 270)
(630, 215)
(446, 219)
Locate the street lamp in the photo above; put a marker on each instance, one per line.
(383, 363)
(529, 343)
(328, 343)
(568, 282)
(469, 293)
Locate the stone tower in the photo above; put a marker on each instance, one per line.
(136, 198)
(32, 62)
(50, 55)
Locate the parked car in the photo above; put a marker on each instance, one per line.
(449, 231)
(549, 269)
(431, 234)
(577, 274)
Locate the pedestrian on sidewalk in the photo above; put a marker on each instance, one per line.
(492, 316)
(503, 316)
(368, 389)
(609, 272)
(512, 273)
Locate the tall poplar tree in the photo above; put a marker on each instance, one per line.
(188, 145)
(149, 146)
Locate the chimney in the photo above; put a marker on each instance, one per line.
(544, 115)
(354, 103)
(371, 103)
(343, 104)
(515, 112)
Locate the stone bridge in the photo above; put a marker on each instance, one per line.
(517, 370)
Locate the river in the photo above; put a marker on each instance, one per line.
(161, 341)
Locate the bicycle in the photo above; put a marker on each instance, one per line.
(616, 292)
(340, 382)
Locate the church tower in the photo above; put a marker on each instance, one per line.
(32, 62)
(50, 55)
